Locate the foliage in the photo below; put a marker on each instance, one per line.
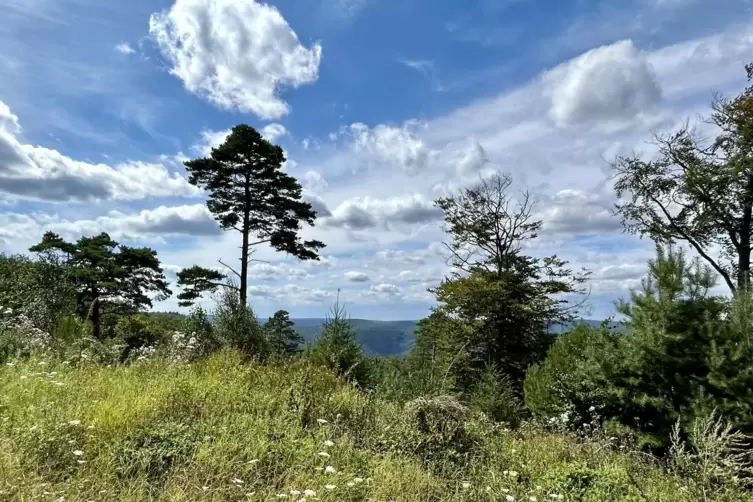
(249, 193)
(505, 300)
(493, 395)
(217, 430)
(698, 193)
(338, 349)
(284, 340)
(236, 326)
(106, 280)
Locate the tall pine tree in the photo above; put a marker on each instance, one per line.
(250, 194)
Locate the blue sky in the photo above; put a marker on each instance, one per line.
(381, 105)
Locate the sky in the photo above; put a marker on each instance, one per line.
(381, 106)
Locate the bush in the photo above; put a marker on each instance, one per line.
(236, 326)
(494, 396)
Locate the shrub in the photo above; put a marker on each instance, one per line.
(236, 326)
(339, 350)
(493, 395)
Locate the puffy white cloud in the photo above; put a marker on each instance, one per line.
(234, 53)
(39, 173)
(611, 82)
(392, 145)
(273, 131)
(317, 204)
(314, 181)
(360, 213)
(353, 276)
(472, 160)
(124, 48)
(576, 212)
(150, 224)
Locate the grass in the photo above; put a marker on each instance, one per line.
(220, 430)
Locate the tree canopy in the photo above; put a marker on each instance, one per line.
(107, 275)
(696, 191)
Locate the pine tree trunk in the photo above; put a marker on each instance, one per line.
(244, 247)
(743, 258)
(96, 321)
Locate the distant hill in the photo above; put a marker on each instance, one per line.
(392, 338)
(387, 338)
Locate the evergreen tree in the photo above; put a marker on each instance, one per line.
(283, 339)
(339, 350)
(108, 278)
(698, 193)
(249, 193)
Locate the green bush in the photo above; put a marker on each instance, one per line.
(494, 396)
(236, 326)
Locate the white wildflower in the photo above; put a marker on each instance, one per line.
(329, 443)
(295, 492)
(74, 422)
(282, 495)
(237, 481)
(533, 499)
(321, 421)
(466, 485)
(350, 484)
(309, 493)
(358, 480)
(330, 487)
(509, 498)
(78, 453)
(323, 454)
(82, 462)
(330, 470)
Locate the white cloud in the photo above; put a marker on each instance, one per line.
(353, 276)
(151, 224)
(237, 54)
(612, 82)
(124, 48)
(393, 145)
(575, 212)
(39, 173)
(273, 131)
(360, 213)
(314, 181)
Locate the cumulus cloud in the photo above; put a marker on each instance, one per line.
(577, 212)
(353, 276)
(317, 204)
(611, 82)
(392, 145)
(189, 220)
(314, 181)
(237, 54)
(472, 160)
(124, 48)
(360, 213)
(273, 131)
(42, 174)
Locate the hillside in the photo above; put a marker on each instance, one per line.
(219, 430)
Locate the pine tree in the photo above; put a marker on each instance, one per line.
(283, 339)
(108, 277)
(250, 194)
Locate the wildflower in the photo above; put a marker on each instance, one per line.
(533, 499)
(33, 428)
(513, 474)
(74, 422)
(82, 462)
(592, 409)
(509, 498)
(205, 488)
(329, 443)
(323, 454)
(237, 481)
(282, 495)
(78, 453)
(358, 480)
(555, 495)
(309, 493)
(321, 421)
(466, 485)
(90, 427)
(295, 492)
(330, 487)
(350, 484)
(330, 470)
(488, 489)
(505, 490)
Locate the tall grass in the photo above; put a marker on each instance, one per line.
(222, 430)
